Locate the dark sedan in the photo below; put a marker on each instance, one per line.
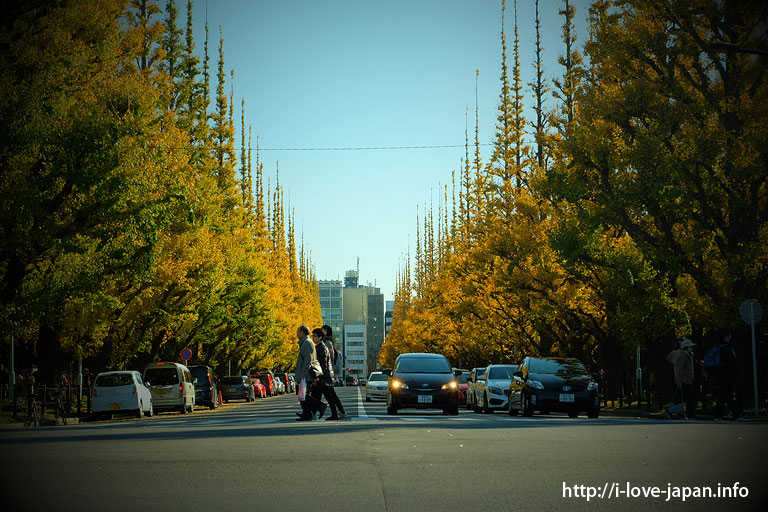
(237, 387)
(553, 384)
(422, 381)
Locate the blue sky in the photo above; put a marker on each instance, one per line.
(352, 74)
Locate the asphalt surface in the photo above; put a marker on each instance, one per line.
(256, 457)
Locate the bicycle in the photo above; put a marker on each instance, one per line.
(34, 418)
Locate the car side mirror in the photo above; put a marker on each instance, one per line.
(518, 374)
(147, 383)
(387, 371)
(457, 373)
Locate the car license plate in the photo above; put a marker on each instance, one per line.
(566, 397)
(425, 399)
(114, 407)
(161, 391)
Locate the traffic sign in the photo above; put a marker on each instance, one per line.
(751, 312)
(186, 354)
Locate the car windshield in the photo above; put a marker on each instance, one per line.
(423, 365)
(560, 367)
(502, 372)
(233, 380)
(463, 377)
(110, 381)
(161, 376)
(378, 376)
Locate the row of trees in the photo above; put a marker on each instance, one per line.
(632, 211)
(129, 227)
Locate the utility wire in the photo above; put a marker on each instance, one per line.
(369, 148)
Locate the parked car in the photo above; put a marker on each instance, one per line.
(492, 392)
(259, 391)
(237, 387)
(290, 384)
(475, 375)
(267, 379)
(119, 392)
(422, 381)
(206, 386)
(376, 387)
(279, 385)
(553, 384)
(171, 386)
(463, 386)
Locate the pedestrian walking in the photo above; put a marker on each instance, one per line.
(325, 382)
(331, 395)
(304, 370)
(682, 361)
(727, 375)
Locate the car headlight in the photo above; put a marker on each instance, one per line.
(592, 386)
(535, 384)
(398, 384)
(495, 390)
(450, 385)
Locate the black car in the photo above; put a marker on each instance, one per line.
(206, 386)
(553, 384)
(237, 388)
(423, 381)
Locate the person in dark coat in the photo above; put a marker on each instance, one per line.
(330, 391)
(727, 376)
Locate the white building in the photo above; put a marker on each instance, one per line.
(355, 349)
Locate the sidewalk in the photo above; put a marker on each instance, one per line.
(634, 412)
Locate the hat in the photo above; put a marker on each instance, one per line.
(686, 343)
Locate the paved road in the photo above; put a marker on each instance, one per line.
(255, 457)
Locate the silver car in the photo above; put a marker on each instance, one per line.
(376, 387)
(492, 393)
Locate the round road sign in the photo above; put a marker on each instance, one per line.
(186, 354)
(751, 312)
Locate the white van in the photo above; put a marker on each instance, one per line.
(171, 386)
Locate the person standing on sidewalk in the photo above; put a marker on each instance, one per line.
(727, 376)
(682, 359)
(307, 356)
(330, 394)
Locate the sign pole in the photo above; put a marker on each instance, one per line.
(754, 351)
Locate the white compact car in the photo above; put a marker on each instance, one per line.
(120, 392)
(376, 387)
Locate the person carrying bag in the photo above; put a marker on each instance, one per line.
(682, 361)
(305, 372)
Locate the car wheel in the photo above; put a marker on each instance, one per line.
(486, 408)
(391, 410)
(455, 410)
(151, 411)
(183, 408)
(593, 413)
(573, 414)
(525, 407)
(475, 408)
(139, 410)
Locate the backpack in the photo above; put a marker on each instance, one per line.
(713, 359)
